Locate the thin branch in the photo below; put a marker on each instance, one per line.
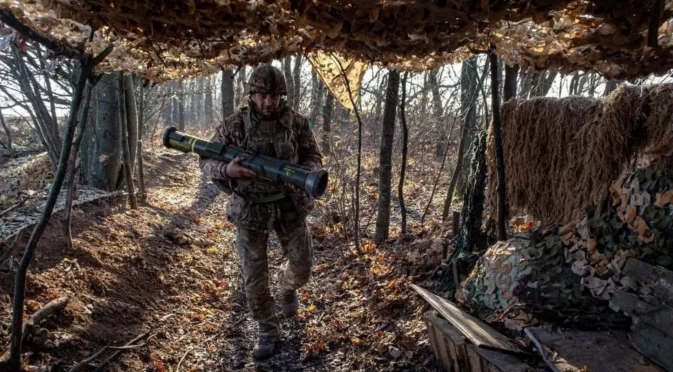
(655, 22)
(499, 156)
(58, 48)
(357, 182)
(118, 352)
(85, 363)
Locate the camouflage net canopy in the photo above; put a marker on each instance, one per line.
(170, 39)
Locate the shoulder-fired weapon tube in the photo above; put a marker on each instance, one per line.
(314, 182)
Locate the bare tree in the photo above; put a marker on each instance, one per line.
(437, 113)
(499, 157)
(405, 151)
(511, 73)
(328, 113)
(227, 93)
(287, 71)
(126, 151)
(241, 89)
(610, 86)
(8, 145)
(468, 98)
(317, 95)
(296, 82)
(385, 159)
(542, 83)
(101, 157)
(46, 124)
(208, 104)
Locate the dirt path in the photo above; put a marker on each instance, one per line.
(170, 269)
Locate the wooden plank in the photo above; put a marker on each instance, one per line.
(499, 361)
(478, 332)
(443, 349)
(448, 345)
(574, 351)
(457, 349)
(432, 335)
(475, 360)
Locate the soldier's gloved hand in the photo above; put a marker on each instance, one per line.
(235, 170)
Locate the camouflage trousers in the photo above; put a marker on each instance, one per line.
(296, 246)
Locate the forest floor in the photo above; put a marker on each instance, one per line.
(169, 269)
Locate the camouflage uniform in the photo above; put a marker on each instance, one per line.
(288, 137)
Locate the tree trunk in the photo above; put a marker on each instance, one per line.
(7, 132)
(511, 73)
(139, 150)
(499, 157)
(593, 82)
(317, 95)
(610, 86)
(405, 150)
(181, 106)
(208, 104)
(59, 177)
(296, 81)
(101, 151)
(240, 87)
(468, 113)
(385, 159)
(423, 104)
(572, 89)
(287, 71)
(227, 93)
(177, 97)
(526, 82)
(45, 123)
(437, 114)
(380, 97)
(582, 83)
(74, 167)
(126, 151)
(50, 92)
(542, 83)
(327, 123)
(131, 118)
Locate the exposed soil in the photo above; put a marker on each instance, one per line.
(169, 268)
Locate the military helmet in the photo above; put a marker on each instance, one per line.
(267, 79)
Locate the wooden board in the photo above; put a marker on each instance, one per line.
(574, 351)
(457, 355)
(448, 344)
(478, 332)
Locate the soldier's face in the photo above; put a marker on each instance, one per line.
(267, 103)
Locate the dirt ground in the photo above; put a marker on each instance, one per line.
(169, 269)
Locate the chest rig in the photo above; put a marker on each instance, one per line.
(274, 137)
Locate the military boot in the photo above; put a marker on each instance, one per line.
(289, 303)
(266, 347)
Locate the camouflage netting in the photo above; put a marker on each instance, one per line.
(170, 39)
(569, 274)
(522, 282)
(562, 154)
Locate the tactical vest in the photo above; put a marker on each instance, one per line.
(274, 138)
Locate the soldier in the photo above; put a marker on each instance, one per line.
(269, 126)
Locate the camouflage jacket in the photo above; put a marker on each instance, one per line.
(288, 137)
